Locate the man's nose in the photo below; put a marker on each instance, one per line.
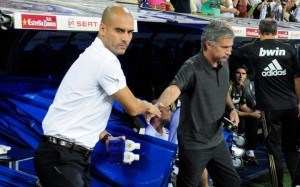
(228, 51)
(126, 37)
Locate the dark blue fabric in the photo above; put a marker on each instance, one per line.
(9, 177)
(153, 168)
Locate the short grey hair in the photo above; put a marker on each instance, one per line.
(214, 31)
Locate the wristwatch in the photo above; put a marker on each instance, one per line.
(105, 137)
(234, 109)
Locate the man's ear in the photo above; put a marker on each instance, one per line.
(102, 29)
(208, 44)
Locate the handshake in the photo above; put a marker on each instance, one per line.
(155, 109)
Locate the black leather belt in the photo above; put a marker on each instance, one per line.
(57, 141)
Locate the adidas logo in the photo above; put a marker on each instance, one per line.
(273, 69)
(271, 52)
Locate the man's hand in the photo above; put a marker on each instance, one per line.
(154, 110)
(234, 117)
(113, 137)
(256, 114)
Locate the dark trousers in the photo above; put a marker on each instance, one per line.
(280, 132)
(58, 166)
(249, 126)
(218, 162)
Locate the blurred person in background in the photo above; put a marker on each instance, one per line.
(249, 118)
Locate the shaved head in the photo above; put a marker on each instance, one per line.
(114, 12)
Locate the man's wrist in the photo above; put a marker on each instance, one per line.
(234, 109)
(105, 137)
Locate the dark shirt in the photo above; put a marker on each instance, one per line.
(203, 100)
(275, 65)
(238, 94)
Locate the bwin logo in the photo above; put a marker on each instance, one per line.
(273, 69)
(271, 52)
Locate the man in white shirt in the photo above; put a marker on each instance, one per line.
(78, 116)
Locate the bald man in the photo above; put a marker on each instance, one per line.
(78, 116)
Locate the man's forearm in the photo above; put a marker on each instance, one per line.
(169, 95)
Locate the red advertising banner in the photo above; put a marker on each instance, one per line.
(283, 34)
(251, 32)
(30, 21)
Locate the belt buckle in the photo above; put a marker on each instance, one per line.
(52, 139)
(60, 142)
(63, 143)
